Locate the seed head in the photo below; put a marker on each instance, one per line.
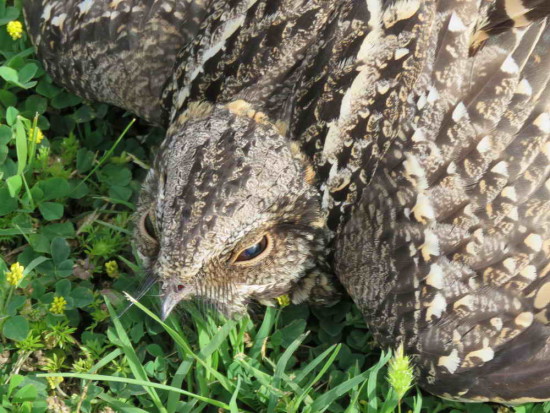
(400, 373)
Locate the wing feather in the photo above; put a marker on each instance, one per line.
(454, 219)
(120, 51)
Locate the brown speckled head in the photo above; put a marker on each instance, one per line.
(228, 213)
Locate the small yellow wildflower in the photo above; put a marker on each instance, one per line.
(39, 135)
(54, 381)
(15, 29)
(112, 269)
(58, 305)
(15, 274)
(283, 300)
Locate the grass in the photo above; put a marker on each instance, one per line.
(66, 202)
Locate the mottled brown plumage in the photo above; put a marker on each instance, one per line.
(117, 51)
(405, 140)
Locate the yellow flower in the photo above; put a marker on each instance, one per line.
(58, 305)
(15, 29)
(54, 381)
(283, 300)
(39, 135)
(15, 274)
(112, 269)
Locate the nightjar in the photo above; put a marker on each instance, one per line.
(401, 145)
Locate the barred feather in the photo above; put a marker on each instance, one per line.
(118, 51)
(454, 264)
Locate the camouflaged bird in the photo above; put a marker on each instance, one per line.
(401, 144)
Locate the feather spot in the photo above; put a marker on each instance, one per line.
(399, 11)
(450, 362)
(433, 95)
(484, 145)
(510, 66)
(430, 246)
(421, 102)
(543, 122)
(85, 6)
(423, 210)
(415, 173)
(466, 301)
(436, 307)
(419, 136)
(515, 9)
(382, 87)
(529, 272)
(534, 242)
(525, 319)
(485, 354)
(513, 213)
(460, 112)
(59, 20)
(510, 193)
(524, 88)
(401, 52)
(452, 168)
(500, 168)
(543, 296)
(496, 322)
(510, 265)
(435, 276)
(47, 12)
(456, 24)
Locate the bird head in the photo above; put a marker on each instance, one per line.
(229, 213)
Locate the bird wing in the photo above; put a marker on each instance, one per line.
(119, 51)
(447, 248)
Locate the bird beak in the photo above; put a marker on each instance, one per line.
(168, 302)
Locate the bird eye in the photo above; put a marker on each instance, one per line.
(147, 227)
(255, 252)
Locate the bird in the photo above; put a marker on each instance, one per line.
(400, 147)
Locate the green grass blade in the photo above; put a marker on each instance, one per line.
(324, 401)
(390, 402)
(233, 402)
(353, 405)
(120, 406)
(280, 369)
(105, 360)
(372, 406)
(177, 381)
(314, 363)
(133, 361)
(418, 403)
(270, 317)
(144, 383)
(321, 373)
(263, 378)
(218, 339)
(34, 263)
(180, 341)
